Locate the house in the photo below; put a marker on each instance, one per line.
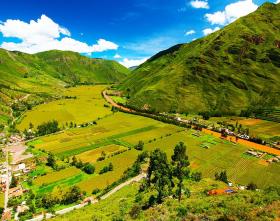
(16, 191)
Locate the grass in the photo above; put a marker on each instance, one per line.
(210, 74)
(105, 209)
(2, 200)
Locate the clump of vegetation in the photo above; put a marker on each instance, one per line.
(106, 169)
(47, 128)
(222, 176)
(88, 168)
(140, 145)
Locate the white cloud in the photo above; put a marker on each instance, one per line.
(133, 62)
(44, 34)
(208, 31)
(117, 56)
(232, 12)
(278, 1)
(200, 4)
(190, 32)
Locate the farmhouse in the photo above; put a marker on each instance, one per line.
(16, 191)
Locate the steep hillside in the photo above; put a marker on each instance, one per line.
(230, 70)
(32, 79)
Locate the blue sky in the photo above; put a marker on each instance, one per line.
(128, 31)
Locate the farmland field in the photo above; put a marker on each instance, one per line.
(92, 155)
(87, 106)
(119, 132)
(258, 128)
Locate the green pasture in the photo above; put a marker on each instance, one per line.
(88, 106)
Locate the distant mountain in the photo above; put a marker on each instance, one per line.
(45, 74)
(133, 68)
(233, 69)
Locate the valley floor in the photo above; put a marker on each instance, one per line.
(99, 132)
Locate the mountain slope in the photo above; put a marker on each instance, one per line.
(228, 71)
(34, 78)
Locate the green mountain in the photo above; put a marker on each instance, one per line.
(233, 69)
(34, 78)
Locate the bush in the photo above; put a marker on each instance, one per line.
(95, 191)
(140, 145)
(196, 176)
(252, 186)
(106, 169)
(88, 168)
(135, 211)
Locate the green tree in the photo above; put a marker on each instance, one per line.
(159, 174)
(222, 176)
(14, 182)
(140, 145)
(74, 161)
(51, 160)
(252, 186)
(196, 176)
(180, 165)
(89, 168)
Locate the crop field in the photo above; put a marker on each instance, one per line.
(116, 134)
(110, 130)
(222, 155)
(120, 163)
(92, 155)
(257, 127)
(88, 106)
(55, 176)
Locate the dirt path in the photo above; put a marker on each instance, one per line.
(110, 100)
(135, 179)
(247, 143)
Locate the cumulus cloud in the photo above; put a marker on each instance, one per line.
(190, 32)
(232, 12)
(278, 1)
(117, 56)
(133, 62)
(44, 34)
(208, 31)
(200, 4)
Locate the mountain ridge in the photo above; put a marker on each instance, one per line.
(220, 73)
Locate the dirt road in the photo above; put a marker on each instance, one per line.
(110, 100)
